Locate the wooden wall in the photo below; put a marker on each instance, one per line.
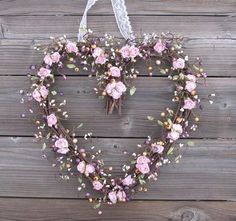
(201, 187)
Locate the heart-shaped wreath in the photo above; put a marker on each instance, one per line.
(114, 66)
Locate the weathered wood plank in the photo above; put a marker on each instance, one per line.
(206, 172)
(218, 55)
(148, 7)
(41, 27)
(153, 96)
(57, 209)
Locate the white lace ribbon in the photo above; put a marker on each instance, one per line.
(121, 15)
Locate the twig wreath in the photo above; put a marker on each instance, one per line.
(114, 66)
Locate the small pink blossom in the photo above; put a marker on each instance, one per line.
(191, 78)
(115, 71)
(62, 145)
(121, 195)
(173, 135)
(51, 120)
(55, 57)
(159, 47)
(44, 72)
(115, 89)
(43, 91)
(97, 185)
(127, 181)
(101, 59)
(189, 104)
(143, 159)
(120, 87)
(115, 94)
(178, 128)
(179, 63)
(89, 169)
(81, 166)
(190, 86)
(112, 197)
(143, 168)
(157, 149)
(36, 95)
(97, 52)
(125, 51)
(47, 60)
(133, 51)
(71, 47)
(39, 93)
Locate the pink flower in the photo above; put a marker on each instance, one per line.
(52, 120)
(190, 86)
(97, 52)
(133, 51)
(110, 87)
(101, 59)
(121, 195)
(81, 166)
(143, 159)
(120, 87)
(112, 197)
(71, 47)
(43, 91)
(36, 95)
(178, 128)
(179, 63)
(89, 169)
(62, 145)
(127, 181)
(97, 185)
(159, 47)
(173, 135)
(189, 104)
(125, 51)
(143, 168)
(47, 60)
(115, 71)
(44, 72)
(115, 94)
(157, 149)
(55, 57)
(191, 78)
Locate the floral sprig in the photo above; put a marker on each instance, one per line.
(114, 68)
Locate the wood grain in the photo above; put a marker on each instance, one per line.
(153, 96)
(218, 55)
(137, 7)
(61, 210)
(41, 27)
(206, 172)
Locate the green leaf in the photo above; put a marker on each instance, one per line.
(80, 125)
(162, 71)
(54, 93)
(150, 118)
(97, 206)
(160, 122)
(71, 66)
(170, 151)
(132, 90)
(190, 143)
(44, 146)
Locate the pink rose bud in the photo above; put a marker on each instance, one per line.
(47, 60)
(143, 168)
(178, 128)
(125, 51)
(36, 95)
(71, 47)
(121, 195)
(157, 149)
(52, 120)
(89, 169)
(173, 135)
(115, 71)
(120, 87)
(115, 94)
(62, 145)
(44, 72)
(190, 86)
(143, 159)
(179, 63)
(55, 57)
(159, 47)
(97, 52)
(191, 78)
(81, 166)
(112, 197)
(127, 181)
(101, 59)
(189, 104)
(43, 91)
(97, 185)
(133, 51)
